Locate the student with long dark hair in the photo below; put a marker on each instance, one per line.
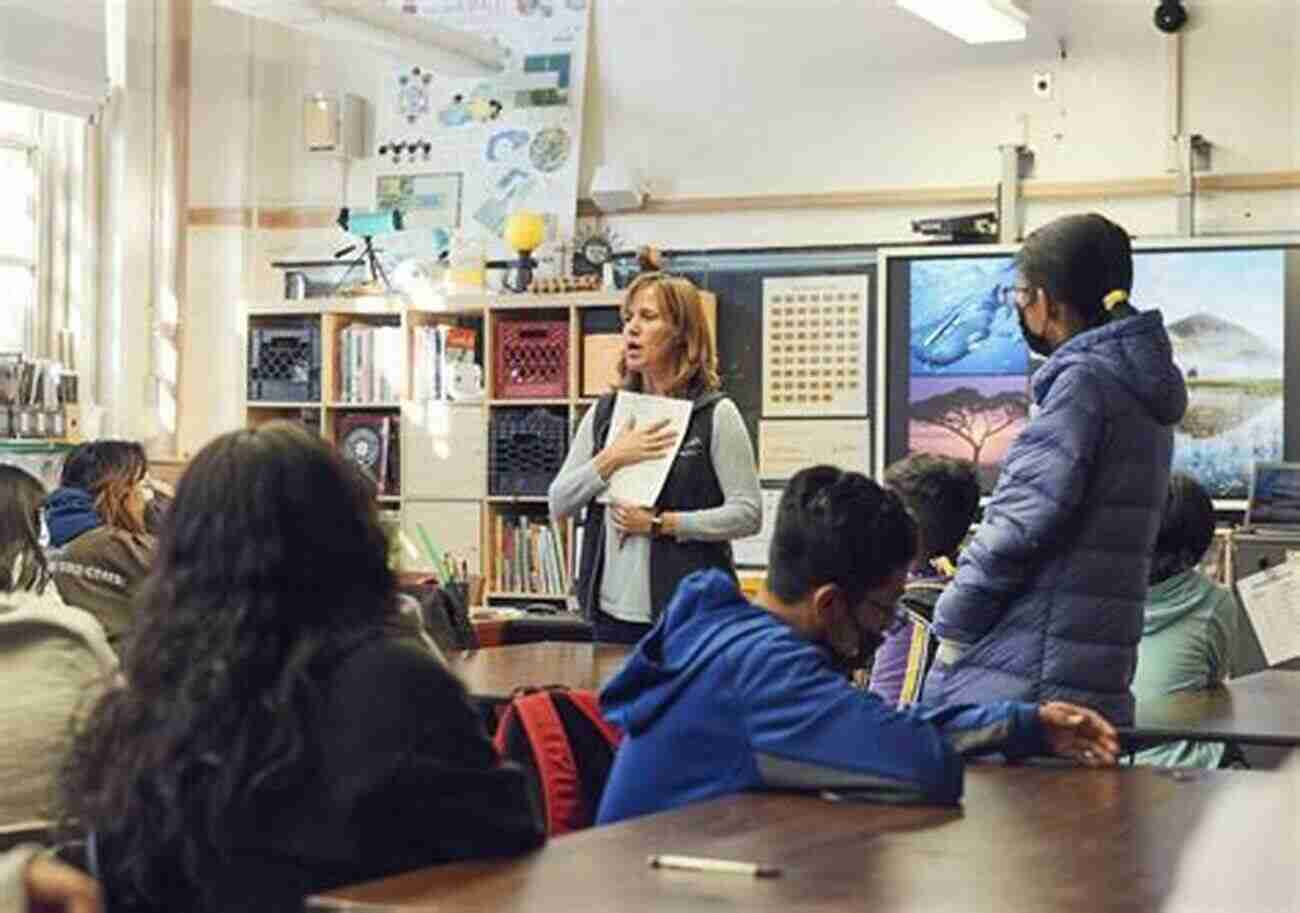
(99, 533)
(53, 658)
(1048, 597)
(273, 736)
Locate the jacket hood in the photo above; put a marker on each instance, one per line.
(1172, 600)
(1136, 354)
(69, 512)
(706, 615)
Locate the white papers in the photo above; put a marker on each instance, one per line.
(752, 550)
(786, 446)
(642, 482)
(1271, 599)
(815, 346)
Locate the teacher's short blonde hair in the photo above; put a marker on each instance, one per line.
(696, 360)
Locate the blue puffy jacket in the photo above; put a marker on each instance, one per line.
(1048, 599)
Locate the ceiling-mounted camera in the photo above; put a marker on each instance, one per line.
(1170, 16)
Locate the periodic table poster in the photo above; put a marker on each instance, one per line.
(493, 143)
(815, 346)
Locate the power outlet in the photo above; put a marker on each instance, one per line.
(1043, 85)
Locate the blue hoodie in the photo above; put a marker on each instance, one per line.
(722, 696)
(1048, 598)
(69, 512)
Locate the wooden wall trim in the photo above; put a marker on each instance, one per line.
(297, 217)
(284, 217)
(220, 217)
(1039, 191)
(1097, 190)
(1264, 180)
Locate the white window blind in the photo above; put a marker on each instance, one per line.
(18, 226)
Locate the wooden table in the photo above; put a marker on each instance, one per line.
(1026, 839)
(495, 672)
(1262, 708)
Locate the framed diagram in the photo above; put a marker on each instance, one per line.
(427, 200)
(815, 346)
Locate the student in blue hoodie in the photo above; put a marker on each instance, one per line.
(724, 695)
(1048, 597)
(1191, 622)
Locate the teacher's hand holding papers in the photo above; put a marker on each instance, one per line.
(636, 445)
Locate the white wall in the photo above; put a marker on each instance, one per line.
(720, 97)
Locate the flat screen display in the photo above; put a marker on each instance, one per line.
(958, 372)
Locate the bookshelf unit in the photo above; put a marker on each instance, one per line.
(442, 447)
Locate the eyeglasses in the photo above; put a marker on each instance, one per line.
(1014, 295)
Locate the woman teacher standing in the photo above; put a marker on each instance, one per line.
(633, 557)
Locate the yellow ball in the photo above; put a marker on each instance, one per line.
(525, 231)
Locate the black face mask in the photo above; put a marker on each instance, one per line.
(1037, 342)
(869, 641)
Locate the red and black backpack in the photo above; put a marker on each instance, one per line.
(559, 737)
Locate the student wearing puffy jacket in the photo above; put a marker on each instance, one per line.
(1048, 598)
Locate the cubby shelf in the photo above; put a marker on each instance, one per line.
(442, 445)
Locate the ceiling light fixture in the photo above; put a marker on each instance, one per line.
(974, 21)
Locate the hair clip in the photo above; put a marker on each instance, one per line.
(1113, 298)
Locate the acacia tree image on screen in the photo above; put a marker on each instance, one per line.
(970, 416)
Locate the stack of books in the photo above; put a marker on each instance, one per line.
(438, 351)
(530, 556)
(370, 364)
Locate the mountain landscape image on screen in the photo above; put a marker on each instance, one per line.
(1234, 408)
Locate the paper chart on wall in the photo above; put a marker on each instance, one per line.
(1271, 599)
(513, 135)
(752, 550)
(642, 482)
(787, 445)
(815, 346)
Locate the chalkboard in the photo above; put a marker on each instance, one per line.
(736, 277)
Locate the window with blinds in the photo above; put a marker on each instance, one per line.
(19, 212)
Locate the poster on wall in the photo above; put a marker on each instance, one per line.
(752, 550)
(786, 446)
(815, 346)
(512, 136)
(430, 205)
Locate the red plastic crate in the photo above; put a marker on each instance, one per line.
(531, 358)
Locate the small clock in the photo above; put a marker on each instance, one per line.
(591, 253)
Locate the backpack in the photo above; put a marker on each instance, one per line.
(565, 746)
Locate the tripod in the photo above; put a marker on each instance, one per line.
(369, 256)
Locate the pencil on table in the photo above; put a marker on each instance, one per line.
(703, 864)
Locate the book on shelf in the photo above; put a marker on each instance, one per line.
(530, 554)
(370, 364)
(443, 358)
